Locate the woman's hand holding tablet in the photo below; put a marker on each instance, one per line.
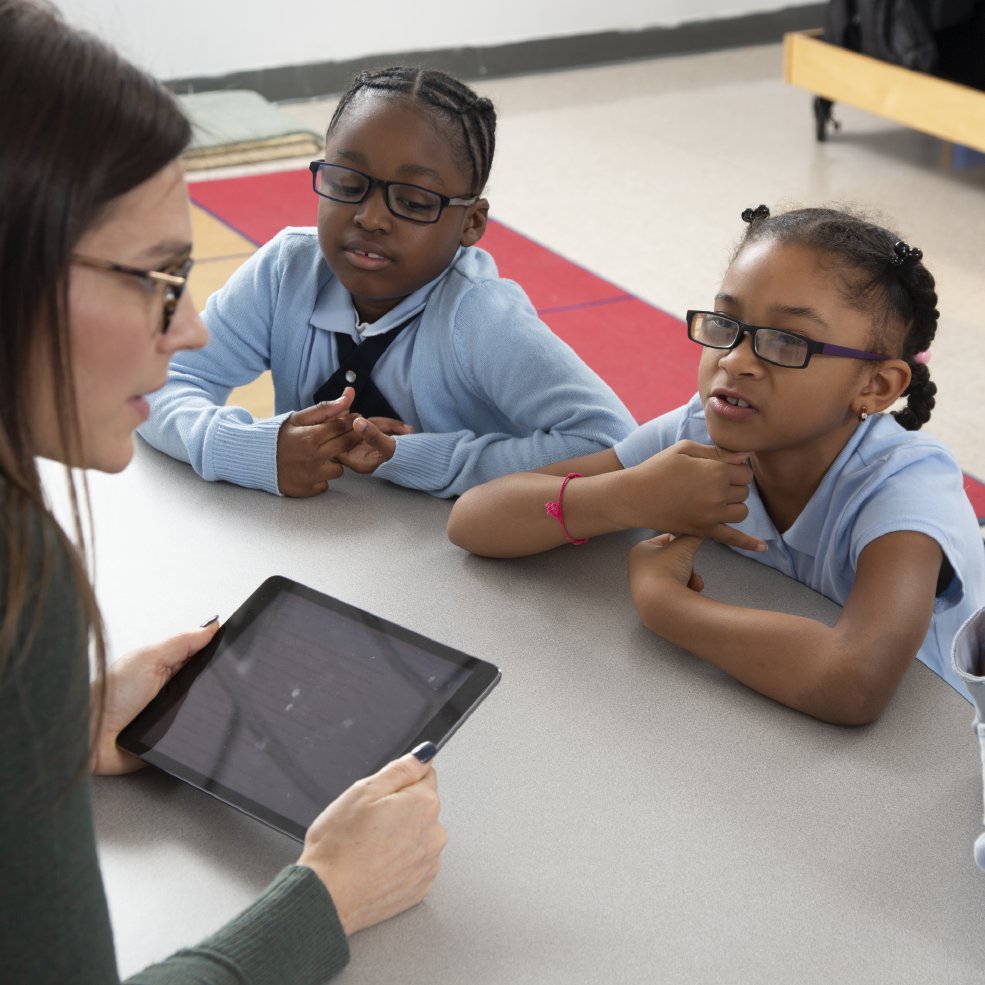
(297, 697)
(131, 683)
(378, 847)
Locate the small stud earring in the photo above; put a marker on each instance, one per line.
(863, 415)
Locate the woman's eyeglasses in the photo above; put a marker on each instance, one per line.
(174, 281)
(349, 186)
(772, 345)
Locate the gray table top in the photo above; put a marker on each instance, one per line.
(617, 810)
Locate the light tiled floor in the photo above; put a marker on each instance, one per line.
(639, 172)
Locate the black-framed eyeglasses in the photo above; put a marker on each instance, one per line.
(412, 202)
(772, 345)
(174, 281)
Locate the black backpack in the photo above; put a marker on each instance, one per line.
(897, 31)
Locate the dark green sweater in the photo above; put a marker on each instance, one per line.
(54, 925)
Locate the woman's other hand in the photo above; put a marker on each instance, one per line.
(377, 848)
(131, 682)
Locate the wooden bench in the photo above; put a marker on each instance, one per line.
(947, 110)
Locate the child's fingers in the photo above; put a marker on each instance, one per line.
(372, 435)
(725, 534)
(333, 442)
(306, 474)
(390, 425)
(732, 457)
(736, 494)
(685, 543)
(327, 410)
(736, 463)
(739, 477)
(695, 449)
(668, 556)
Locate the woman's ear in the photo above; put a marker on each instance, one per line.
(476, 217)
(885, 385)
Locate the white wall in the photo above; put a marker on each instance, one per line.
(185, 38)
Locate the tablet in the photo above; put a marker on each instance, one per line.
(299, 695)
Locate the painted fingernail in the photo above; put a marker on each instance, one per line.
(425, 752)
(208, 622)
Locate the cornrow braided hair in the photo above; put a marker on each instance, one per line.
(880, 275)
(454, 101)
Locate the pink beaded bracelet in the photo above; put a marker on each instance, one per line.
(554, 509)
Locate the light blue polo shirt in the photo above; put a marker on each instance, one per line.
(885, 479)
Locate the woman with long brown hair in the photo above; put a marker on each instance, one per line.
(95, 249)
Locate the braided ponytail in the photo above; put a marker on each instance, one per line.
(918, 284)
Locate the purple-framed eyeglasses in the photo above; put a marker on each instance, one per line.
(772, 345)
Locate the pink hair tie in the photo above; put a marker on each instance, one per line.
(554, 509)
(922, 357)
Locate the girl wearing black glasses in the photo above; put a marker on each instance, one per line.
(394, 345)
(95, 239)
(822, 322)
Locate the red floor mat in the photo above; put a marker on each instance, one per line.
(259, 206)
(639, 350)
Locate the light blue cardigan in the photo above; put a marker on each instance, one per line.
(495, 389)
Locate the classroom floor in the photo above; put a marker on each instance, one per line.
(639, 171)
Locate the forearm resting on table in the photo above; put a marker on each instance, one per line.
(508, 517)
(796, 661)
(687, 488)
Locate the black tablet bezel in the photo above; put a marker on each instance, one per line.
(483, 677)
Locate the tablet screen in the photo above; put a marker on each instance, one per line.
(297, 697)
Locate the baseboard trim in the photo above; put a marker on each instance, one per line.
(522, 58)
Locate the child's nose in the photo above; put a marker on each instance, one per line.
(373, 212)
(741, 360)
